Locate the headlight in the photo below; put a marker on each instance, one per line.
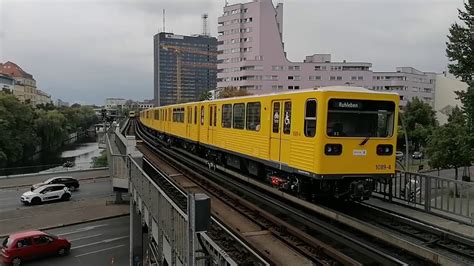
(384, 149)
(333, 149)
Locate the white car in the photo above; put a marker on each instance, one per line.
(46, 193)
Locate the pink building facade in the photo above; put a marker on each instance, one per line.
(252, 57)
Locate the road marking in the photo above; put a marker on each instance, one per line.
(84, 237)
(79, 230)
(100, 250)
(100, 242)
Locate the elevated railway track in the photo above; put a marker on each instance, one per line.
(365, 234)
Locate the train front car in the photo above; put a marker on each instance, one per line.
(358, 137)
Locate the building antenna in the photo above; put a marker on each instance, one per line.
(204, 25)
(164, 21)
(226, 2)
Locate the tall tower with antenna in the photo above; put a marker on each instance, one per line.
(205, 28)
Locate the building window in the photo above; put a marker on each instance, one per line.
(278, 68)
(339, 78)
(239, 116)
(310, 118)
(290, 77)
(332, 78)
(297, 87)
(360, 78)
(253, 116)
(353, 78)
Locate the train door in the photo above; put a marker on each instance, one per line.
(212, 123)
(189, 121)
(280, 131)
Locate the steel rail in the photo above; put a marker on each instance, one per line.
(331, 232)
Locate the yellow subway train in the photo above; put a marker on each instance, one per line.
(332, 141)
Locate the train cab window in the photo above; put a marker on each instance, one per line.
(287, 118)
(202, 115)
(253, 116)
(227, 116)
(310, 118)
(360, 118)
(276, 117)
(239, 115)
(195, 114)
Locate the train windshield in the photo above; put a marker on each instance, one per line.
(360, 118)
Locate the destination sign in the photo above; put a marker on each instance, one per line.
(345, 104)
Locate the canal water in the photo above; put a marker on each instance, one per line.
(70, 157)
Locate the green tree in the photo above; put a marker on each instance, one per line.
(205, 95)
(17, 136)
(231, 91)
(50, 126)
(419, 118)
(460, 51)
(460, 45)
(448, 146)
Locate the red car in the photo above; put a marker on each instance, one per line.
(24, 246)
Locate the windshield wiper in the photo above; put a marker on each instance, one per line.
(364, 141)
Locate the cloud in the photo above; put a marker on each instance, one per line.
(87, 50)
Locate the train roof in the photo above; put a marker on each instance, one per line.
(321, 89)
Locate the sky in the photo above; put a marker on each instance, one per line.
(87, 50)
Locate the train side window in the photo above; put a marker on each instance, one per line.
(202, 115)
(215, 115)
(253, 116)
(227, 116)
(287, 118)
(310, 118)
(210, 115)
(157, 115)
(190, 118)
(195, 114)
(276, 117)
(239, 116)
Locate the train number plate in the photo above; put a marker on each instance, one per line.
(359, 152)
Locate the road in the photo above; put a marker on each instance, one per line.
(10, 197)
(104, 242)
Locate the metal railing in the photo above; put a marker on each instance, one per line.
(116, 161)
(441, 196)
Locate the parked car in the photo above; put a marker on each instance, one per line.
(417, 155)
(68, 181)
(399, 155)
(24, 246)
(46, 193)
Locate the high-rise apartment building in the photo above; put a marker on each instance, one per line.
(252, 56)
(184, 67)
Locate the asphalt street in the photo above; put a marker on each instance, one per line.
(10, 197)
(104, 242)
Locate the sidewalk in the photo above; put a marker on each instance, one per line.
(29, 180)
(446, 224)
(59, 214)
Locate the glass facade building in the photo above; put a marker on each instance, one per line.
(197, 58)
